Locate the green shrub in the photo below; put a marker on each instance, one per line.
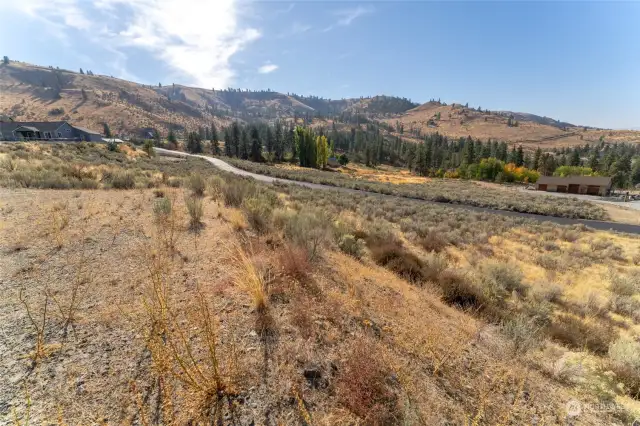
(351, 245)
(432, 241)
(162, 208)
(112, 146)
(148, 148)
(625, 305)
(624, 360)
(308, 228)
(197, 184)
(259, 210)
(195, 209)
(235, 190)
(501, 279)
(523, 332)
(394, 256)
(548, 261)
(624, 286)
(123, 180)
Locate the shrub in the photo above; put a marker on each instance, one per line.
(56, 111)
(624, 286)
(112, 146)
(351, 245)
(523, 331)
(432, 241)
(294, 262)
(174, 182)
(308, 229)
(548, 261)
(259, 211)
(195, 209)
(235, 190)
(123, 180)
(501, 279)
(362, 387)
(553, 294)
(196, 184)
(393, 256)
(216, 184)
(148, 148)
(577, 334)
(624, 360)
(162, 208)
(636, 259)
(625, 305)
(461, 291)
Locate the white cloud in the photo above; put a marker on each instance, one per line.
(267, 68)
(347, 16)
(195, 38)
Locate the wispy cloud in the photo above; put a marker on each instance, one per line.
(285, 10)
(267, 68)
(195, 38)
(296, 28)
(346, 16)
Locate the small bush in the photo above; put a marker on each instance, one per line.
(577, 334)
(548, 261)
(112, 146)
(553, 294)
(636, 259)
(624, 286)
(123, 180)
(174, 182)
(625, 305)
(148, 148)
(624, 360)
(308, 228)
(162, 208)
(259, 212)
(501, 279)
(294, 262)
(216, 184)
(523, 331)
(195, 209)
(461, 291)
(351, 246)
(56, 111)
(568, 235)
(235, 191)
(433, 241)
(196, 184)
(393, 256)
(362, 387)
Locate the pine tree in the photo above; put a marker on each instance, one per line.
(468, 156)
(575, 158)
(278, 142)
(536, 159)
(215, 145)
(244, 144)
(81, 72)
(235, 139)
(194, 143)
(269, 142)
(519, 157)
(171, 138)
(256, 145)
(107, 130)
(5, 60)
(594, 161)
(228, 144)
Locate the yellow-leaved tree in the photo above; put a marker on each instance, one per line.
(322, 151)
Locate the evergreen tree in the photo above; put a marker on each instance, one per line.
(256, 145)
(278, 142)
(81, 72)
(5, 60)
(575, 158)
(215, 145)
(107, 130)
(244, 144)
(513, 155)
(536, 159)
(635, 172)
(468, 155)
(621, 172)
(235, 139)
(594, 161)
(519, 157)
(228, 143)
(194, 143)
(292, 143)
(270, 142)
(171, 138)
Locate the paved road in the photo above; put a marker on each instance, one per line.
(595, 224)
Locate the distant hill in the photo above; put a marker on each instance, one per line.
(38, 93)
(530, 130)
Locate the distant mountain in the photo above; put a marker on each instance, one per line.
(37, 93)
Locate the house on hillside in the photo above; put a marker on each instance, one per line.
(590, 185)
(46, 130)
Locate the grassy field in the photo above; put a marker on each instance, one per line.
(452, 191)
(215, 298)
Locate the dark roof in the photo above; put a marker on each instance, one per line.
(41, 126)
(29, 128)
(84, 129)
(578, 180)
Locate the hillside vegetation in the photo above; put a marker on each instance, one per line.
(212, 299)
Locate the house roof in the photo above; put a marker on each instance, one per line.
(84, 129)
(29, 128)
(576, 180)
(40, 126)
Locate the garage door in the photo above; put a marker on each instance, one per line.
(574, 189)
(593, 190)
(542, 187)
(562, 188)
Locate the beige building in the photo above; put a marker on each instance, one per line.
(590, 185)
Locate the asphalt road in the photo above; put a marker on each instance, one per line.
(595, 224)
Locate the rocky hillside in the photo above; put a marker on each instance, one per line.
(456, 120)
(36, 93)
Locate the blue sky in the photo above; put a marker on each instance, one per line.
(574, 61)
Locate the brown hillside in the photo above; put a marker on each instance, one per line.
(458, 121)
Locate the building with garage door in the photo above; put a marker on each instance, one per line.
(590, 185)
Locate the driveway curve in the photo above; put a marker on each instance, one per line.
(224, 166)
